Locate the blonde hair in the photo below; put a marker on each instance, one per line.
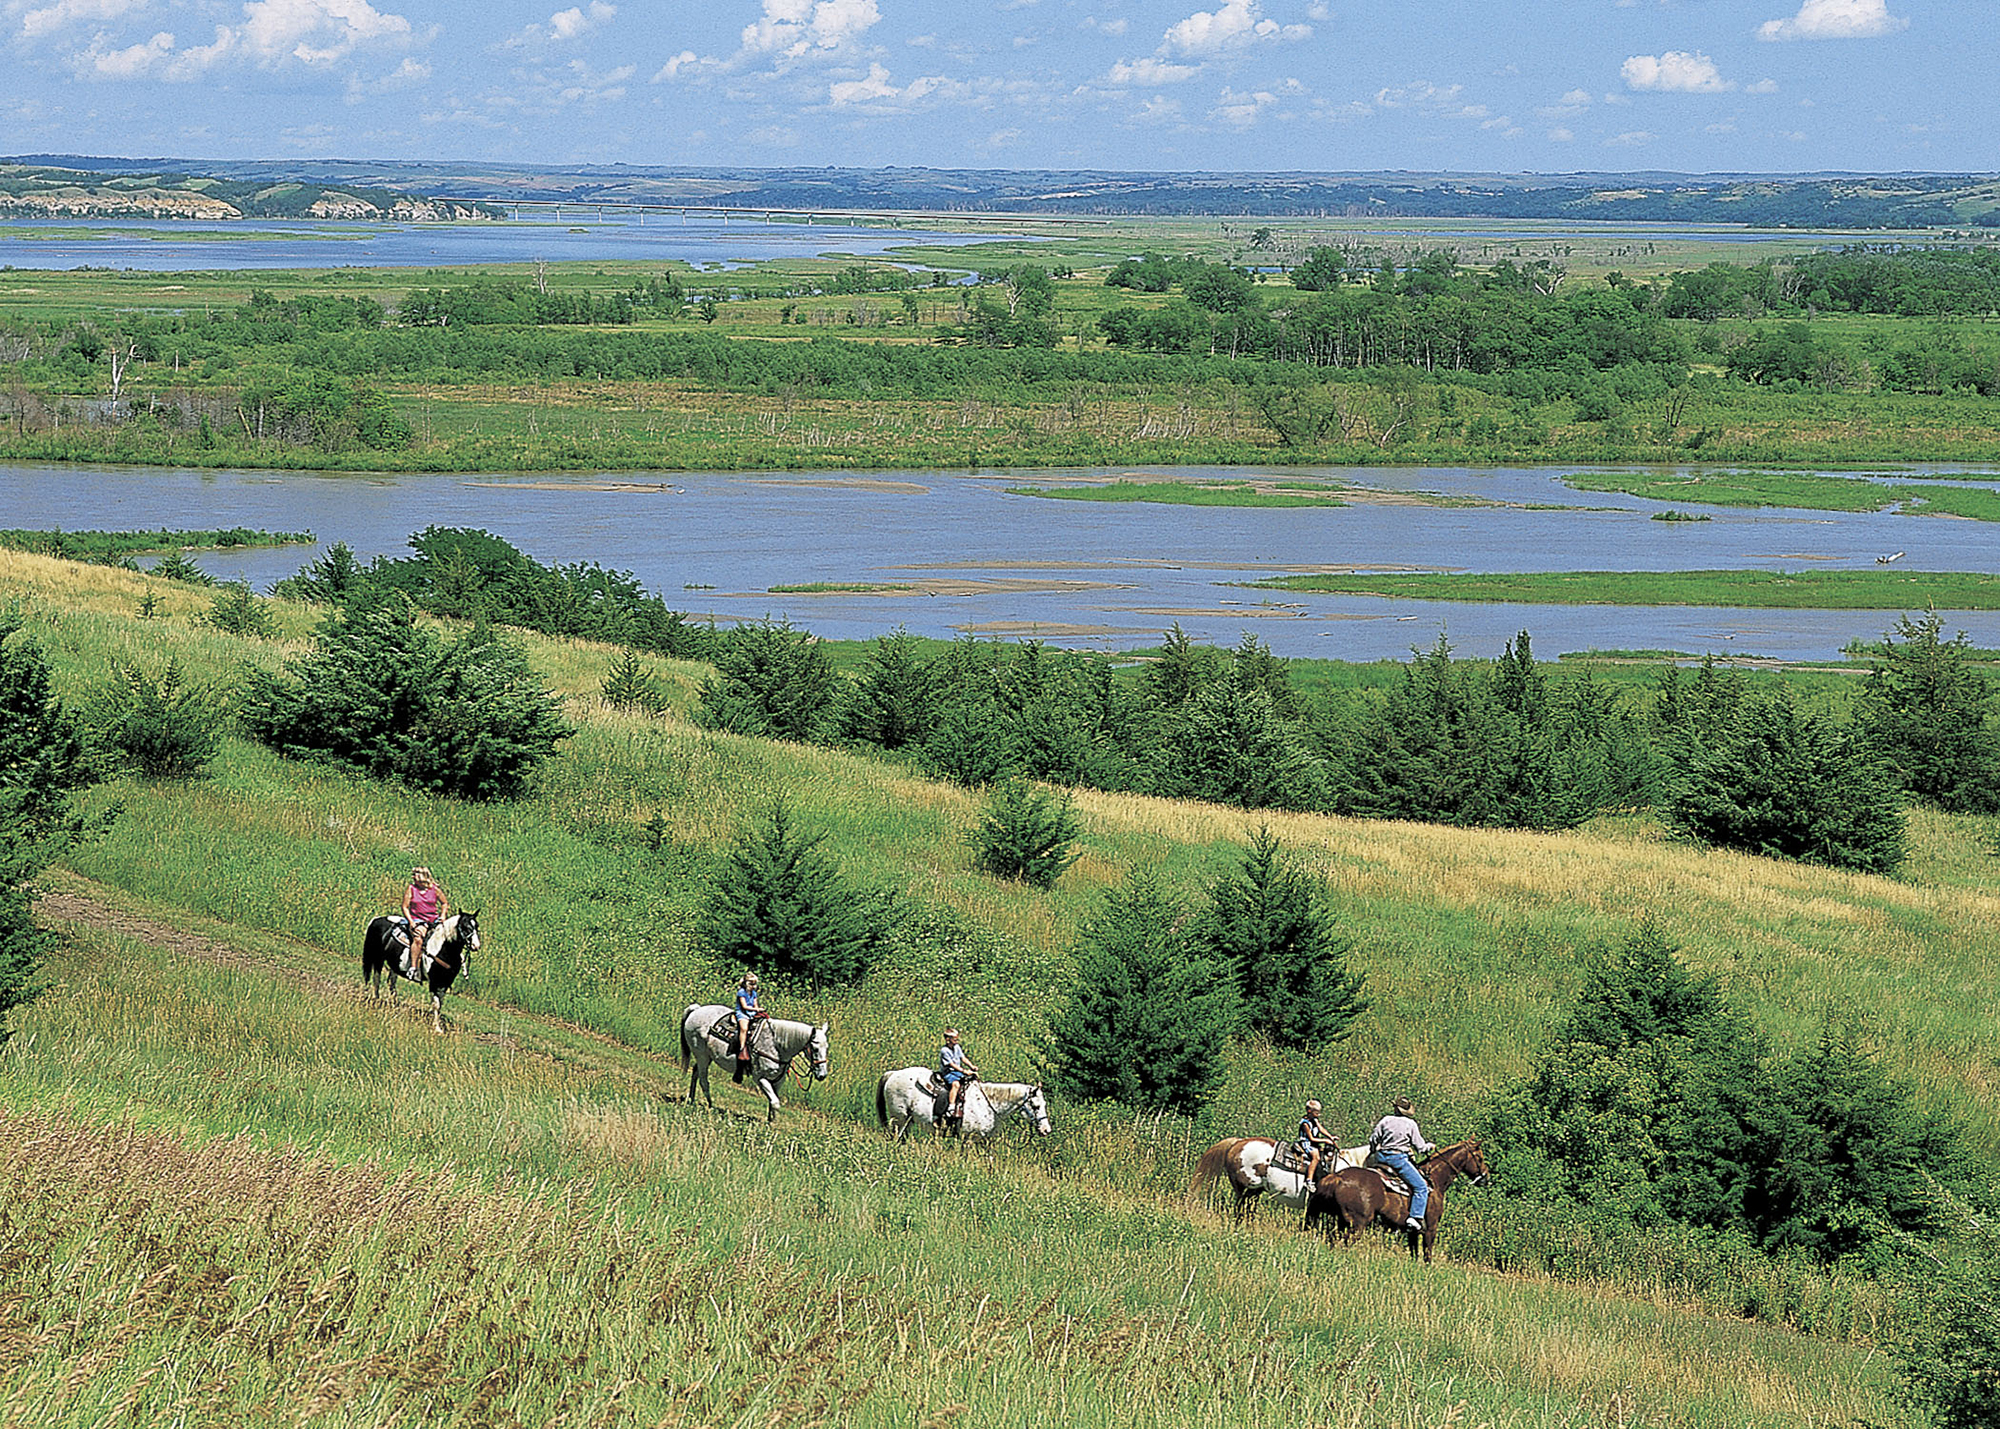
(420, 874)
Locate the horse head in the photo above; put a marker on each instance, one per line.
(1468, 1159)
(816, 1051)
(466, 930)
(1036, 1105)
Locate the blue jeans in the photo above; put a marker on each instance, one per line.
(1420, 1189)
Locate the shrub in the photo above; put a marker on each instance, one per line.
(162, 726)
(383, 695)
(630, 686)
(1791, 785)
(1027, 834)
(1149, 1015)
(780, 904)
(1269, 925)
(175, 566)
(237, 612)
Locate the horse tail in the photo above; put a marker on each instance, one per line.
(882, 1099)
(687, 1045)
(1214, 1165)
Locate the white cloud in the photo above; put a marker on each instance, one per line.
(64, 13)
(132, 62)
(1677, 70)
(1762, 86)
(313, 31)
(1835, 20)
(1240, 111)
(1630, 139)
(859, 91)
(1150, 72)
(1561, 136)
(575, 21)
(564, 25)
(1105, 27)
(797, 29)
(675, 65)
(273, 32)
(1237, 25)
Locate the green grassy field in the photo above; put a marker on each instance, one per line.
(1807, 590)
(288, 1196)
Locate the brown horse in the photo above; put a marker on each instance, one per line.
(1362, 1198)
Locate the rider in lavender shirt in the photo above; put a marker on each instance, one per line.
(1395, 1140)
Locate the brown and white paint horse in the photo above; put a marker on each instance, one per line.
(1246, 1161)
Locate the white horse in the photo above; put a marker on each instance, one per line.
(774, 1043)
(904, 1097)
(1246, 1161)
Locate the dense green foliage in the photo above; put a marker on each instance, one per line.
(782, 907)
(385, 695)
(1929, 714)
(469, 573)
(1950, 1364)
(113, 548)
(1150, 1012)
(1026, 834)
(1268, 922)
(769, 680)
(1788, 784)
(44, 762)
(630, 686)
(1655, 1101)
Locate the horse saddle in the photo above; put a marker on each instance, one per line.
(763, 1041)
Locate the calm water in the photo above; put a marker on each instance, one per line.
(183, 247)
(1077, 573)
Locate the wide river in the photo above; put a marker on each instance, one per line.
(1081, 574)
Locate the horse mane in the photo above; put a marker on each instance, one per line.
(1011, 1094)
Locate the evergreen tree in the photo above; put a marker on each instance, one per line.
(770, 680)
(381, 694)
(1229, 745)
(44, 763)
(1926, 710)
(890, 704)
(237, 612)
(1791, 785)
(1268, 923)
(631, 686)
(781, 904)
(1149, 1015)
(1027, 834)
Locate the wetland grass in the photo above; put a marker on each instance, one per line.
(1800, 590)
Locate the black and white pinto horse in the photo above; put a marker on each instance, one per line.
(770, 1059)
(903, 1098)
(385, 949)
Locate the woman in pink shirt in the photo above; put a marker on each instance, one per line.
(424, 905)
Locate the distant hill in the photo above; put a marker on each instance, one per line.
(101, 189)
(1815, 201)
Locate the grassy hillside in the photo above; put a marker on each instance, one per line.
(533, 1184)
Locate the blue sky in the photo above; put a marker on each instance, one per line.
(1550, 86)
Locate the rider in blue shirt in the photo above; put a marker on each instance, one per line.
(955, 1070)
(746, 1010)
